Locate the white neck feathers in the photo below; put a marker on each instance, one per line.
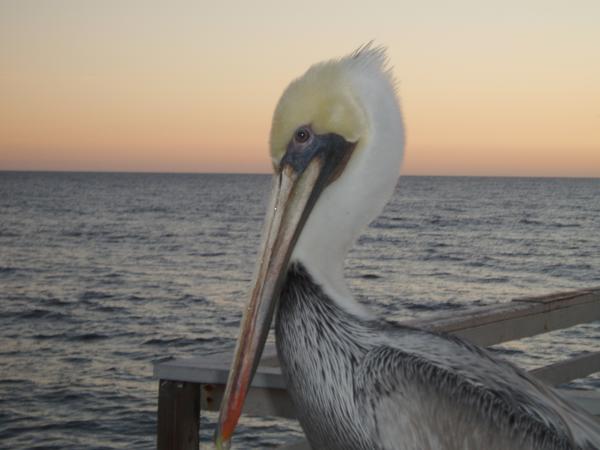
(357, 197)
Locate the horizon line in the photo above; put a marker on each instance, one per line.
(148, 172)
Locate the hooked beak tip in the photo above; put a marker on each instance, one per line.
(222, 444)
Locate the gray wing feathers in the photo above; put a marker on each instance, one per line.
(491, 405)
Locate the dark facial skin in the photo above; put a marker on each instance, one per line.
(332, 149)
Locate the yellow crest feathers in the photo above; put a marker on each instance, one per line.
(322, 98)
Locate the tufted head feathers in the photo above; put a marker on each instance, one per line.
(326, 97)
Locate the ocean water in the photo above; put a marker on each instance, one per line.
(103, 274)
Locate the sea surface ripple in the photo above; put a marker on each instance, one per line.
(104, 274)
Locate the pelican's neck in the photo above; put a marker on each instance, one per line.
(357, 196)
(325, 265)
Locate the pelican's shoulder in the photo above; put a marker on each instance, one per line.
(452, 386)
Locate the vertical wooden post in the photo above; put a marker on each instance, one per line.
(178, 415)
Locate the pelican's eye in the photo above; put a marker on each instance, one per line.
(302, 135)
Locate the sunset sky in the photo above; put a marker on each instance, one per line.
(487, 88)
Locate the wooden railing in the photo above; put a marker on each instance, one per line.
(190, 385)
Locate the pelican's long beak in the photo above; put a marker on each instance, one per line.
(304, 171)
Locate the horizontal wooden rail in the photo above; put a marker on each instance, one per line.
(485, 326)
(264, 401)
(570, 369)
(523, 317)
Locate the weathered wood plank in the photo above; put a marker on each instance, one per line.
(259, 401)
(214, 369)
(178, 415)
(570, 369)
(518, 319)
(550, 298)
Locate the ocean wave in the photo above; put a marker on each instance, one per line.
(370, 276)
(94, 295)
(39, 313)
(54, 301)
(110, 309)
(211, 254)
(104, 274)
(46, 336)
(564, 225)
(78, 337)
(178, 341)
(531, 222)
(87, 337)
(434, 256)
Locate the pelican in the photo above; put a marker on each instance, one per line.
(359, 382)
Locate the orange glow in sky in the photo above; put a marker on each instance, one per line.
(190, 86)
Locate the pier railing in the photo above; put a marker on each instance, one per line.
(187, 386)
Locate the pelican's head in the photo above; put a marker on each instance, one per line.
(336, 146)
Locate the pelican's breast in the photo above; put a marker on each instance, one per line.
(319, 356)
